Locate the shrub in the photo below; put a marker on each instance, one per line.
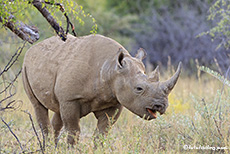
(173, 32)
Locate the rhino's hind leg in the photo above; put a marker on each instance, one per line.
(57, 125)
(106, 118)
(41, 111)
(42, 117)
(70, 115)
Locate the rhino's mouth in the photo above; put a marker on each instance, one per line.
(152, 112)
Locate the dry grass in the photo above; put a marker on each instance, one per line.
(191, 119)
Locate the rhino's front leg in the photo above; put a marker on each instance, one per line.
(70, 116)
(106, 118)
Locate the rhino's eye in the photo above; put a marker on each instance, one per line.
(139, 89)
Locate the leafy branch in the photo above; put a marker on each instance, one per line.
(215, 74)
(31, 33)
(220, 12)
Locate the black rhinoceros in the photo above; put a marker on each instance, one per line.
(90, 74)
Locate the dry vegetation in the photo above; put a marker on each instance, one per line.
(199, 110)
(198, 115)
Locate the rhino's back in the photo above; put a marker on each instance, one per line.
(55, 50)
(76, 59)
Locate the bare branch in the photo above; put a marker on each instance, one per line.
(43, 137)
(69, 23)
(13, 59)
(13, 134)
(32, 122)
(218, 128)
(10, 105)
(9, 87)
(195, 127)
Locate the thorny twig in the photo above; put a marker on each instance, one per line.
(43, 137)
(228, 135)
(10, 85)
(13, 134)
(62, 9)
(9, 105)
(39, 141)
(28, 141)
(218, 129)
(12, 105)
(42, 148)
(12, 82)
(195, 127)
(11, 62)
(22, 148)
(13, 59)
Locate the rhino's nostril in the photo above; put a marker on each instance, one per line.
(158, 107)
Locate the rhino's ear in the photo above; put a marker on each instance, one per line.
(141, 54)
(120, 59)
(155, 75)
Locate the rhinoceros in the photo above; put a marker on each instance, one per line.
(87, 74)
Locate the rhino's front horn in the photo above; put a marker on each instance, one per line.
(168, 85)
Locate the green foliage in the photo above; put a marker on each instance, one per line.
(215, 74)
(220, 12)
(17, 8)
(123, 7)
(145, 7)
(23, 11)
(109, 22)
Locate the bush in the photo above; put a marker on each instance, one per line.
(173, 32)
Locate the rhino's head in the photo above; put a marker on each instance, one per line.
(143, 95)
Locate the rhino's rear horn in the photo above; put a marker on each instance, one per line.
(155, 75)
(168, 85)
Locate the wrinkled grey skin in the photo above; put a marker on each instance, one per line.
(90, 74)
